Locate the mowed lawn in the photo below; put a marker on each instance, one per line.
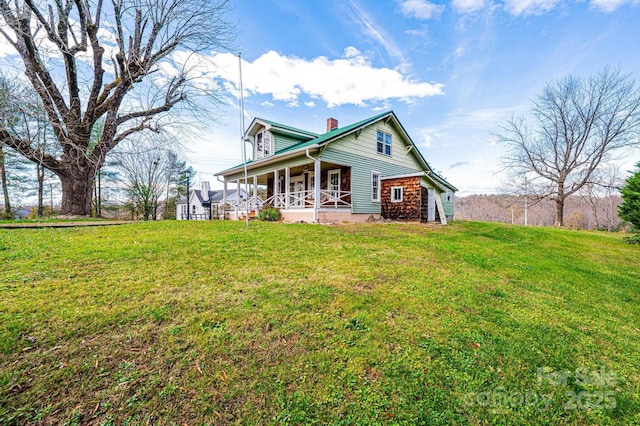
(218, 323)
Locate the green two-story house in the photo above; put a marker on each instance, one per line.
(350, 173)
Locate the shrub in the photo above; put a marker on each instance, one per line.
(634, 239)
(269, 214)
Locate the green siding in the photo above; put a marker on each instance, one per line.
(361, 170)
(424, 181)
(448, 205)
(284, 141)
(365, 145)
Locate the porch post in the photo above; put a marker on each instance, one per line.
(224, 192)
(238, 201)
(316, 189)
(255, 192)
(276, 188)
(286, 187)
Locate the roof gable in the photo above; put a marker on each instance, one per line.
(258, 123)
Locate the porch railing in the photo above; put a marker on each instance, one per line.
(276, 200)
(255, 204)
(335, 199)
(305, 199)
(195, 216)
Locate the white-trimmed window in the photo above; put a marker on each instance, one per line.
(449, 195)
(184, 209)
(396, 194)
(263, 144)
(375, 187)
(383, 143)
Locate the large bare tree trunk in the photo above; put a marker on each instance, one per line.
(76, 195)
(559, 199)
(559, 211)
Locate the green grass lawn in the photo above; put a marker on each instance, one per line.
(216, 323)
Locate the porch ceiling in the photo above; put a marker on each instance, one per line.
(293, 171)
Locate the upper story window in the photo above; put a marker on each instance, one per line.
(263, 144)
(383, 142)
(449, 195)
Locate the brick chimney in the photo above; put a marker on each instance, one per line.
(332, 123)
(204, 190)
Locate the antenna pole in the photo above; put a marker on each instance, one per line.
(242, 141)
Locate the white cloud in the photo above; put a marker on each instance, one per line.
(421, 9)
(425, 138)
(611, 5)
(267, 104)
(310, 104)
(468, 6)
(375, 31)
(529, 7)
(348, 80)
(460, 50)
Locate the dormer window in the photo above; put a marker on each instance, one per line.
(263, 144)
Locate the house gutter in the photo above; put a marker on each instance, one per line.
(266, 161)
(316, 186)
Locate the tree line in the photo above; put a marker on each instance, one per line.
(581, 211)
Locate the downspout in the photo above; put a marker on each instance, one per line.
(316, 181)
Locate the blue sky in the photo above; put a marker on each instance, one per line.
(451, 70)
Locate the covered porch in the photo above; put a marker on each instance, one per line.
(300, 192)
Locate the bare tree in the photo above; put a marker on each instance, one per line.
(12, 115)
(600, 192)
(175, 167)
(144, 166)
(119, 63)
(579, 125)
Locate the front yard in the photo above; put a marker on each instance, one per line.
(214, 323)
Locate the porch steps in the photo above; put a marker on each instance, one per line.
(252, 215)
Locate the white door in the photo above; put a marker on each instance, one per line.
(296, 191)
(431, 205)
(334, 183)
